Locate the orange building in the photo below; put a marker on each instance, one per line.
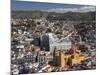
(77, 56)
(60, 58)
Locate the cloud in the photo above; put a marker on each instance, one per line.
(81, 9)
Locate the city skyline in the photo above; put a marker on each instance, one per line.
(44, 41)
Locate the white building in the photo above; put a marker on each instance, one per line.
(59, 46)
(63, 43)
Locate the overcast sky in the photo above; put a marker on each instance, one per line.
(50, 7)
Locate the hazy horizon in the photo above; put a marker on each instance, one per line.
(49, 7)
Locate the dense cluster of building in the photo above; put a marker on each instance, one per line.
(38, 45)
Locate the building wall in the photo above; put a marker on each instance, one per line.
(60, 46)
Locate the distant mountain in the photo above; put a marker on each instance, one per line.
(74, 16)
(27, 14)
(81, 9)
